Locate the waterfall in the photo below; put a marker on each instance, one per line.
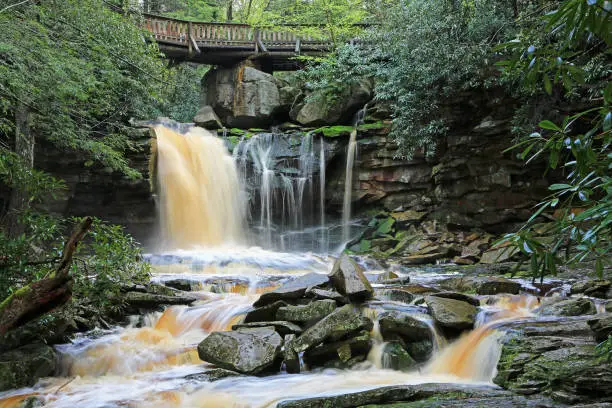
(280, 185)
(200, 203)
(348, 181)
(324, 242)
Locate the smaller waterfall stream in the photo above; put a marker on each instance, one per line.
(348, 182)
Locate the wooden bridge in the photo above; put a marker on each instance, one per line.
(227, 44)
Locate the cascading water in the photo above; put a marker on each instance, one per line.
(199, 189)
(348, 181)
(280, 184)
(324, 236)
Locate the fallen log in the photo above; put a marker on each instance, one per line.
(42, 296)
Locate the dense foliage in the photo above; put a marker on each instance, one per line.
(72, 73)
(565, 54)
(421, 54)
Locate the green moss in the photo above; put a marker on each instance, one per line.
(334, 131)
(375, 125)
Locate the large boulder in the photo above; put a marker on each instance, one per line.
(245, 97)
(349, 279)
(247, 351)
(319, 110)
(338, 324)
(23, 366)
(452, 313)
(558, 358)
(207, 118)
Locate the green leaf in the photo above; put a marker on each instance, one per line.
(547, 124)
(547, 85)
(559, 186)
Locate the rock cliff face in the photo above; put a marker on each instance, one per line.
(468, 183)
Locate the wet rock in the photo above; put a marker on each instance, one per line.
(332, 327)
(483, 285)
(423, 259)
(327, 294)
(292, 290)
(568, 307)
(211, 375)
(290, 356)
(396, 295)
(602, 326)
(395, 357)
(406, 325)
(382, 277)
(265, 313)
(451, 313)
(247, 351)
(402, 280)
(421, 396)
(594, 288)
(305, 313)
(343, 350)
(421, 350)
(458, 296)
(492, 285)
(348, 278)
(281, 327)
(152, 301)
(179, 284)
(23, 366)
(567, 369)
(419, 289)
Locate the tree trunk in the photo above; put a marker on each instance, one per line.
(42, 296)
(24, 147)
(230, 10)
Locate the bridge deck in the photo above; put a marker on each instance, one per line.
(229, 43)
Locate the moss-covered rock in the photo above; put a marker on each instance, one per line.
(558, 359)
(568, 307)
(23, 366)
(452, 313)
(315, 310)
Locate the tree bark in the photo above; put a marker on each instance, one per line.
(230, 10)
(40, 297)
(24, 147)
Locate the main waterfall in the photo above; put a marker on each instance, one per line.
(199, 191)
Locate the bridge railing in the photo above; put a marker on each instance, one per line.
(181, 32)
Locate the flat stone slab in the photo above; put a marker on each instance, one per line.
(292, 290)
(282, 327)
(315, 310)
(422, 395)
